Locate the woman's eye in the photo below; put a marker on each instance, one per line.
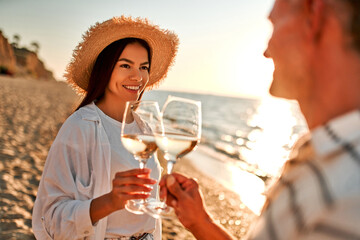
(125, 66)
(144, 68)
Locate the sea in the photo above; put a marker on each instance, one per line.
(244, 142)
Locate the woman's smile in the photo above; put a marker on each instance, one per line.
(132, 88)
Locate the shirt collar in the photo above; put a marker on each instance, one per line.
(89, 112)
(340, 130)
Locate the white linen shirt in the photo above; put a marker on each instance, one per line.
(76, 171)
(318, 193)
(121, 160)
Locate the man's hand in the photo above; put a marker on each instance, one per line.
(183, 194)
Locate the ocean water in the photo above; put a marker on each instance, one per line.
(256, 133)
(243, 139)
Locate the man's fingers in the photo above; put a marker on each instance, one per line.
(170, 200)
(174, 187)
(185, 182)
(162, 182)
(190, 184)
(163, 192)
(180, 178)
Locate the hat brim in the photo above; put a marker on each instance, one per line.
(163, 45)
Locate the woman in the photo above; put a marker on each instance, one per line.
(88, 175)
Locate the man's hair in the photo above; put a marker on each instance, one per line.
(349, 13)
(354, 6)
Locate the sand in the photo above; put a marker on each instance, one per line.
(31, 113)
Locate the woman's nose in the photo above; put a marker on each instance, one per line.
(136, 75)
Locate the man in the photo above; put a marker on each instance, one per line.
(315, 47)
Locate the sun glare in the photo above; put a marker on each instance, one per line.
(276, 128)
(271, 142)
(249, 187)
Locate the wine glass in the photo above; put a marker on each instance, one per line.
(177, 134)
(139, 139)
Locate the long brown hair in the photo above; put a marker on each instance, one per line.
(104, 65)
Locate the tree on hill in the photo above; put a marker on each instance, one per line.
(35, 46)
(16, 40)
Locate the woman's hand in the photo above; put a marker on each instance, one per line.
(132, 184)
(127, 185)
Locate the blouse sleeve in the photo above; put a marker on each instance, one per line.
(62, 207)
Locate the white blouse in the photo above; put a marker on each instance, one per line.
(77, 170)
(123, 223)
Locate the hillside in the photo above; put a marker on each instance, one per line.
(21, 62)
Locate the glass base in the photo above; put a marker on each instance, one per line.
(159, 210)
(135, 206)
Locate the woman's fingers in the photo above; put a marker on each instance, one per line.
(134, 176)
(132, 189)
(136, 195)
(133, 172)
(131, 184)
(133, 180)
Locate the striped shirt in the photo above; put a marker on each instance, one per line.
(318, 193)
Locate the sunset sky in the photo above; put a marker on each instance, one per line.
(221, 42)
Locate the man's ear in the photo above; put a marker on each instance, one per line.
(315, 13)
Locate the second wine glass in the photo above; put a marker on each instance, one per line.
(177, 134)
(138, 137)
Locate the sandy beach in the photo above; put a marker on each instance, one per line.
(31, 113)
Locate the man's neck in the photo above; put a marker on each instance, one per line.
(336, 90)
(322, 111)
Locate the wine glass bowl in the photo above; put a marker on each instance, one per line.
(141, 146)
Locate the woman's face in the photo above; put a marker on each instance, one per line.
(130, 74)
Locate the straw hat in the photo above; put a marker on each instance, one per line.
(163, 44)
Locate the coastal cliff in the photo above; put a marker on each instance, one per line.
(7, 56)
(21, 62)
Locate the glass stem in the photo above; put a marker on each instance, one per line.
(170, 166)
(142, 164)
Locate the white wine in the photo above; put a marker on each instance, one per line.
(141, 146)
(177, 145)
